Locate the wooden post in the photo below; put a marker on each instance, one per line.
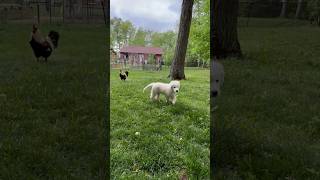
(298, 10)
(63, 12)
(50, 12)
(38, 13)
(104, 12)
(283, 8)
(87, 8)
(249, 11)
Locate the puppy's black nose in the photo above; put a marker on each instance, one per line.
(214, 93)
(177, 90)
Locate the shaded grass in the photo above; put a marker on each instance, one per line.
(172, 137)
(52, 114)
(267, 124)
(271, 22)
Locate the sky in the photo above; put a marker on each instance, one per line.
(155, 15)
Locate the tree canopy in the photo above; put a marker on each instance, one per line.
(199, 39)
(123, 32)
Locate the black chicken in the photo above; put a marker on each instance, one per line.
(123, 76)
(43, 47)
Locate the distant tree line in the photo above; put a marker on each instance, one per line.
(300, 9)
(123, 33)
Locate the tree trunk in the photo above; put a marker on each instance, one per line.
(298, 9)
(104, 7)
(105, 170)
(283, 8)
(224, 37)
(177, 66)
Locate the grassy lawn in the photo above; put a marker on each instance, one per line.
(172, 137)
(52, 114)
(268, 120)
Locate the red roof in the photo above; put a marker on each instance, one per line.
(141, 49)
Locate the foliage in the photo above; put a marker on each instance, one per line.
(271, 8)
(139, 38)
(199, 38)
(124, 33)
(314, 8)
(121, 32)
(260, 8)
(167, 41)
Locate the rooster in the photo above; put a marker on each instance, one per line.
(43, 47)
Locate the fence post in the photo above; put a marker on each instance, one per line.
(104, 12)
(63, 12)
(38, 13)
(50, 12)
(249, 12)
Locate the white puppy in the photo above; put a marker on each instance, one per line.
(169, 90)
(217, 78)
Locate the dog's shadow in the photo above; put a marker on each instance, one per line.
(179, 108)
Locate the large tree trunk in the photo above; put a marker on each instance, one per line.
(283, 8)
(298, 9)
(224, 36)
(177, 66)
(223, 43)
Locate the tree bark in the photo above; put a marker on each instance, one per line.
(224, 36)
(299, 4)
(105, 170)
(177, 66)
(283, 8)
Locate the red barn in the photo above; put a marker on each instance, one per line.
(138, 56)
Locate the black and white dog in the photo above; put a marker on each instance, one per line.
(123, 75)
(217, 79)
(43, 47)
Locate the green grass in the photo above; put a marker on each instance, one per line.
(268, 120)
(271, 22)
(52, 114)
(172, 137)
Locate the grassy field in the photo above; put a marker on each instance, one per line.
(172, 137)
(52, 114)
(268, 120)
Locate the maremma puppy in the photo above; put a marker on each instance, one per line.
(170, 90)
(217, 78)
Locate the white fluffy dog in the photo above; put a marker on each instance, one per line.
(217, 78)
(169, 90)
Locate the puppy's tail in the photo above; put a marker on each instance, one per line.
(149, 85)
